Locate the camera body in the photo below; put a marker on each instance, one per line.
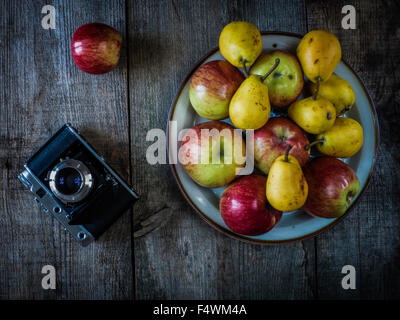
(73, 183)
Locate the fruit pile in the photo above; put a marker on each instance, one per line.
(323, 186)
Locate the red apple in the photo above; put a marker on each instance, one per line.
(195, 154)
(96, 48)
(245, 209)
(272, 139)
(332, 185)
(212, 87)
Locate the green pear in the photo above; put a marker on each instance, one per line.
(240, 43)
(313, 115)
(287, 189)
(336, 90)
(250, 106)
(343, 140)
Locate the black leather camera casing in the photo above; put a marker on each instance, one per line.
(107, 195)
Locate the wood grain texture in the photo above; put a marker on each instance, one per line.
(41, 89)
(186, 258)
(369, 237)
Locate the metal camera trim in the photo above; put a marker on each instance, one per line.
(86, 177)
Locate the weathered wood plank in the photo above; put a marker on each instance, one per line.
(186, 258)
(369, 237)
(40, 90)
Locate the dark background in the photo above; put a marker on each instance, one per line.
(40, 89)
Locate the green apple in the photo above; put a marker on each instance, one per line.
(286, 82)
(196, 154)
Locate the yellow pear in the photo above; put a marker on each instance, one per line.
(313, 115)
(250, 106)
(240, 43)
(336, 90)
(287, 188)
(319, 53)
(343, 140)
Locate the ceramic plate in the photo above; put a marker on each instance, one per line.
(295, 225)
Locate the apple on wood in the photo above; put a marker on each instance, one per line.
(96, 48)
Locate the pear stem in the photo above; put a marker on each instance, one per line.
(308, 147)
(277, 60)
(246, 73)
(287, 152)
(316, 90)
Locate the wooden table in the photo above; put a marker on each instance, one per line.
(41, 89)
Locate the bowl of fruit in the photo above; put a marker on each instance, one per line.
(273, 136)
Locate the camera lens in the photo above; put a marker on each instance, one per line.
(68, 181)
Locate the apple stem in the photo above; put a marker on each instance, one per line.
(277, 60)
(246, 73)
(316, 90)
(287, 152)
(349, 197)
(308, 147)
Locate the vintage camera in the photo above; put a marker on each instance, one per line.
(72, 182)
